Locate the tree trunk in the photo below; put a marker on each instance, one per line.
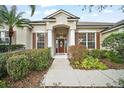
(10, 37)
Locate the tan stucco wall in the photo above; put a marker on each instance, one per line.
(61, 19)
(23, 36)
(39, 28)
(28, 42)
(20, 36)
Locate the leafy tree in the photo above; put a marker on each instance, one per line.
(12, 19)
(100, 8)
(115, 42)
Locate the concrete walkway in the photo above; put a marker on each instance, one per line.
(61, 74)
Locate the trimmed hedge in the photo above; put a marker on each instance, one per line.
(4, 48)
(3, 58)
(18, 66)
(38, 59)
(3, 70)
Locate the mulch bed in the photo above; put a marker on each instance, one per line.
(32, 80)
(112, 65)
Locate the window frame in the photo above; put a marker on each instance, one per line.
(87, 38)
(37, 39)
(4, 31)
(93, 41)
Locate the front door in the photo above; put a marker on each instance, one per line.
(61, 45)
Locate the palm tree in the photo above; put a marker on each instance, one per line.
(12, 19)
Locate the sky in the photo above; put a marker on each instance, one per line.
(108, 15)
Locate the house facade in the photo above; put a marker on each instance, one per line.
(60, 30)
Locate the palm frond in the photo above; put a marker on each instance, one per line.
(20, 14)
(33, 7)
(12, 14)
(4, 16)
(3, 7)
(23, 22)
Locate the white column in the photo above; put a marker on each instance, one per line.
(49, 38)
(72, 37)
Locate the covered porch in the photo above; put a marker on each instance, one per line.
(60, 38)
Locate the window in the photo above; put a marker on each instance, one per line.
(40, 40)
(82, 40)
(87, 39)
(91, 40)
(4, 37)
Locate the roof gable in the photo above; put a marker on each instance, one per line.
(70, 16)
(115, 26)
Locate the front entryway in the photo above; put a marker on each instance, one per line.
(61, 46)
(61, 40)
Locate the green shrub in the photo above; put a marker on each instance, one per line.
(3, 69)
(97, 53)
(77, 53)
(3, 59)
(92, 63)
(17, 66)
(4, 48)
(44, 60)
(121, 82)
(115, 42)
(3, 84)
(114, 57)
(39, 58)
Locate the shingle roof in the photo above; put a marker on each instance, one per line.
(95, 24)
(115, 25)
(100, 25)
(118, 23)
(37, 21)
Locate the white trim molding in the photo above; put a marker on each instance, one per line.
(39, 31)
(83, 31)
(72, 37)
(49, 38)
(87, 39)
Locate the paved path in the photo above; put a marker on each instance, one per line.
(63, 75)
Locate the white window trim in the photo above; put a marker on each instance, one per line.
(87, 37)
(36, 41)
(37, 38)
(39, 31)
(4, 31)
(86, 31)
